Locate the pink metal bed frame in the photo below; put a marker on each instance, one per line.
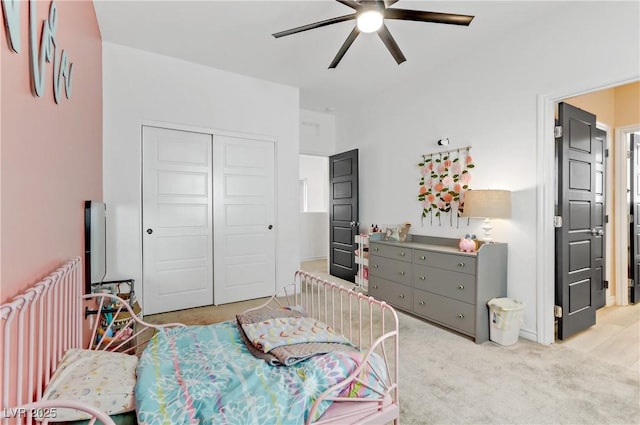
(39, 325)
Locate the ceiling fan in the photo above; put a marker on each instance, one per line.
(370, 16)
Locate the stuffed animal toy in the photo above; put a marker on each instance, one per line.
(467, 244)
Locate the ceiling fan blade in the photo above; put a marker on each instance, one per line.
(391, 44)
(418, 15)
(315, 25)
(345, 46)
(352, 4)
(390, 3)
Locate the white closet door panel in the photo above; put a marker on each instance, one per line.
(177, 220)
(244, 218)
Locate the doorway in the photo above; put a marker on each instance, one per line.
(546, 201)
(314, 208)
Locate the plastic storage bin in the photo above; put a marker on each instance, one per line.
(505, 319)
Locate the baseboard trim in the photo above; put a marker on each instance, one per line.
(313, 259)
(530, 335)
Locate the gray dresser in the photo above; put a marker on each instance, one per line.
(430, 278)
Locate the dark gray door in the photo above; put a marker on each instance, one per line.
(343, 214)
(580, 238)
(634, 219)
(599, 289)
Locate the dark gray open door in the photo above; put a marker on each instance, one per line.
(634, 220)
(580, 237)
(599, 289)
(343, 214)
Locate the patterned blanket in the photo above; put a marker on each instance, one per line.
(285, 337)
(206, 375)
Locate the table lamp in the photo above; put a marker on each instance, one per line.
(487, 204)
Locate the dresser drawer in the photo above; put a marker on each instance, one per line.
(446, 311)
(456, 285)
(394, 270)
(458, 263)
(395, 252)
(396, 294)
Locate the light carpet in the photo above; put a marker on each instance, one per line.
(446, 378)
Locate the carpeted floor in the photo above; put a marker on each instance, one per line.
(447, 379)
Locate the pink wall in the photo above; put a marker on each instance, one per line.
(50, 154)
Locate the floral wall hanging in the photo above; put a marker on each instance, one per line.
(444, 181)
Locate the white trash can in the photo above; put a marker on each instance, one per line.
(505, 319)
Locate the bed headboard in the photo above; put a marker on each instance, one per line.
(36, 328)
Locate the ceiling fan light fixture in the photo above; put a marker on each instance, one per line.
(369, 21)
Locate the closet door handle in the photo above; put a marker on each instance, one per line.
(270, 226)
(149, 231)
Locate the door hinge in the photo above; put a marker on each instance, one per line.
(630, 219)
(606, 218)
(628, 154)
(606, 284)
(606, 153)
(557, 311)
(557, 131)
(557, 221)
(631, 283)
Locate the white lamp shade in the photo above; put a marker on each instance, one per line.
(487, 204)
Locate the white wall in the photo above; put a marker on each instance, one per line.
(139, 87)
(317, 133)
(315, 170)
(314, 236)
(488, 99)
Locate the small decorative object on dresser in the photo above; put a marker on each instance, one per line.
(404, 231)
(467, 244)
(431, 278)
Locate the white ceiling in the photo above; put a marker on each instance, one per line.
(236, 36)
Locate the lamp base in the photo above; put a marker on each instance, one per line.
(487, 228)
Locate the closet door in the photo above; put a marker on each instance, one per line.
(244, 218)
(176, 220)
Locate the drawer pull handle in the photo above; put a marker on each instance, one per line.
(461, 287)
(375, 249)
(422, 257)
(422, 278)
(401, 295)
(375, 286)
(461, 316)
(460, 264)
(375, 266)
(421, 302)
(402, 273)
(402, 254)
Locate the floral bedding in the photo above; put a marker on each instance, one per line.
(206, 375)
